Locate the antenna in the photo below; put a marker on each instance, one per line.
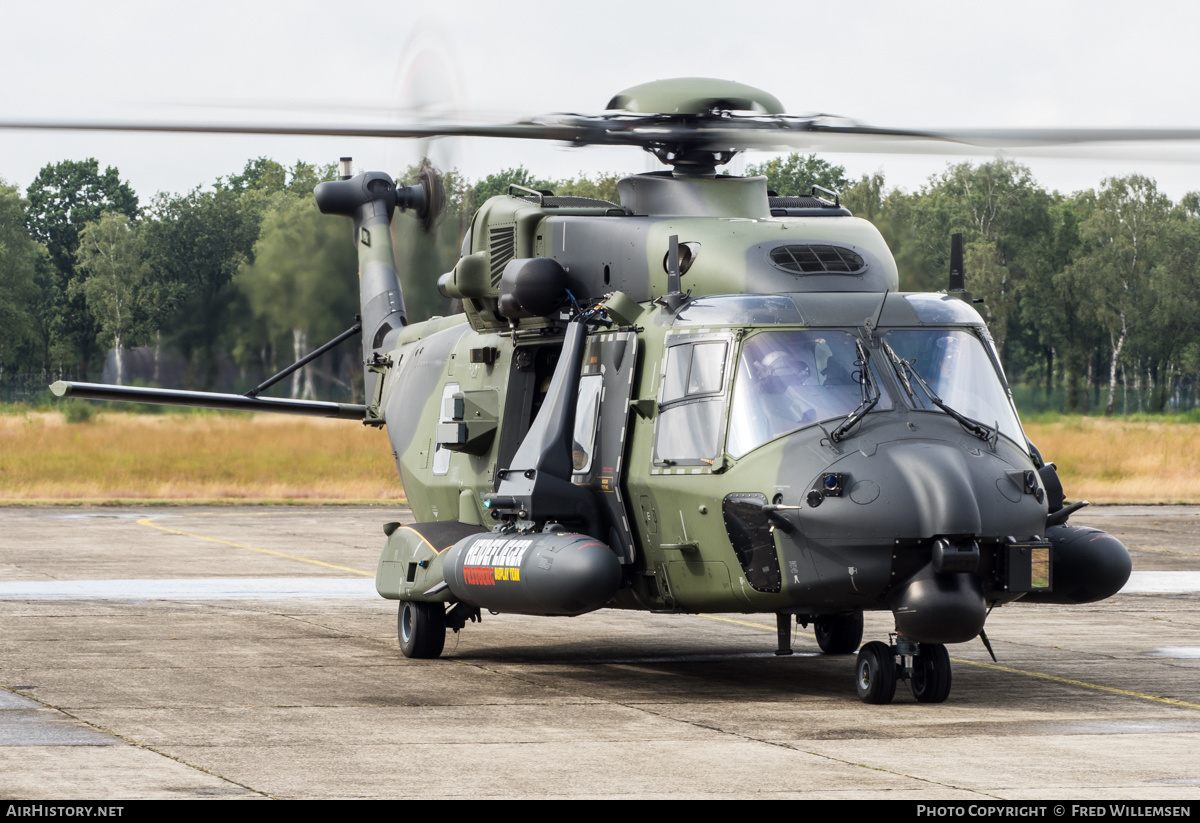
(957, 281)
(674, 281)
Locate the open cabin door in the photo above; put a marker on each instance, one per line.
(601, 424)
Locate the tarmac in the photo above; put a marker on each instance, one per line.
(241, 653)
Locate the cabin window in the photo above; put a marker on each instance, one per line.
(441, 454)
(587, 415)
(692, 402)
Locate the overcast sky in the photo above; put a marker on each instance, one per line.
(883, 63)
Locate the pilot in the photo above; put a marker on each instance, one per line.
(779, 369)
(779, 377)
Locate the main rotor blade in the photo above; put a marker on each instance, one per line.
(530, 130)
(718, 133)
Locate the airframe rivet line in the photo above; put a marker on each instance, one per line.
(1170, 701)
(147, 521)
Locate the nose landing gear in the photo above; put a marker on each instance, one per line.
(876, 673)
(930, 674)
(926, 667)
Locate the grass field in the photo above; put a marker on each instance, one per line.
(1119, 461)
(235, 458)
(193, 458)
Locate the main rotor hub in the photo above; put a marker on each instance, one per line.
(694, 95)
(693, 102)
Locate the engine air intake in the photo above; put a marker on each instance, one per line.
(813, 259)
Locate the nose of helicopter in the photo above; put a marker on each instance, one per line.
(932, 483)
(916, 490)
(903, 524)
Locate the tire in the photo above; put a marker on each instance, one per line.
(421, 628)
(931, 674)
(875, 673)
(839, 633)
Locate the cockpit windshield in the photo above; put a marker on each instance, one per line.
(955, 365)
(790, 379)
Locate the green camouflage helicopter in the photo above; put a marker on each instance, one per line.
(705, 397)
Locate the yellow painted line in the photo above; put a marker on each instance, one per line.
(1170, 701)
(753, 624)
(148, 521)
(1128, 693)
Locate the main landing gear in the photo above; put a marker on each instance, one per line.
(421, 627)
(926, 667)
(839, 633)
(836, 633)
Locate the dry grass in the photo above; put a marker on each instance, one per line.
(233, 458)
(193, 458)
(1115, 461)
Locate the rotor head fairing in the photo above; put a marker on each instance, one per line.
(694, 95)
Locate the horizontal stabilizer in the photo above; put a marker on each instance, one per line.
(208, 400)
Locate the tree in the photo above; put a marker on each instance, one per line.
(195, 243)
(1120, 247)
(302, 285)
(1168, 322)
(1053, 311)
(112, 256)
(796, 174)
(304, 177)
(1003, 215)
(269, 177)
(63, 198)
(19, 292)
(604, 187)
(261, 175)
(498, 183)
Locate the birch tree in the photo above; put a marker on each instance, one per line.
(112, 258)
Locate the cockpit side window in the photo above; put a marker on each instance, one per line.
(692, 370)
(692, 402)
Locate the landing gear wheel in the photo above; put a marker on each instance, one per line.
(421, 628)
(930, 680)
(875, 673)
(839, 633)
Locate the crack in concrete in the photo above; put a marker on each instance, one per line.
(138, 744)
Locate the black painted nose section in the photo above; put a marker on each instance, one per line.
(939, 484)
(1086, 565)
(920, 490)
(939, 608)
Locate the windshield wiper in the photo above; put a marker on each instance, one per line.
(905, 370)
(870, 395)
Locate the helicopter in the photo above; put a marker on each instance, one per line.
(706, 397)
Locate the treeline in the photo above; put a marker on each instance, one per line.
(1092, 297)
(86, 268)
(220, 286)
